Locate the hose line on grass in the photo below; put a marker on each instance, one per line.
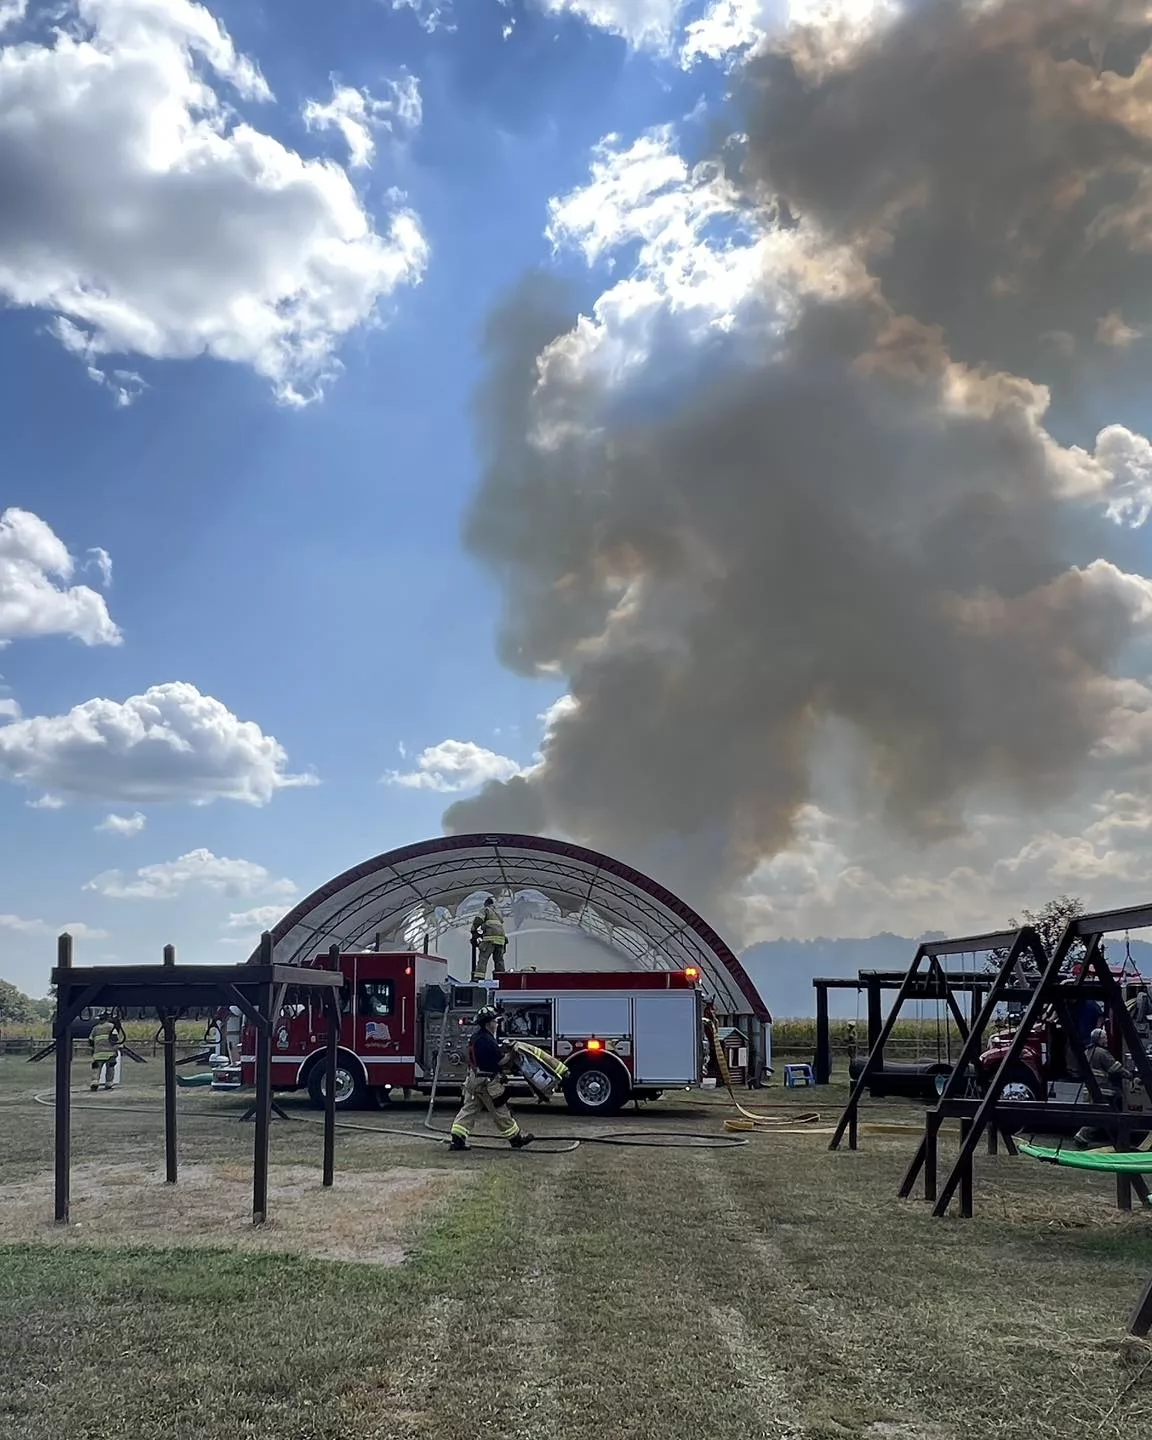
(652, 1139)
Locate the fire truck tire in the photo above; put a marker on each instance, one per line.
(351, 1087)
(1021, 1084)
(596, 1089)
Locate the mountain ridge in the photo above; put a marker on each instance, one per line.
(783, 970)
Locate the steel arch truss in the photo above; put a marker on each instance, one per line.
(421, 889)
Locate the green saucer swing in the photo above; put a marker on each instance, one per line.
(1118, 1162)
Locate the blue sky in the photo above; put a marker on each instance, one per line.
(301, 564)
(247, 254)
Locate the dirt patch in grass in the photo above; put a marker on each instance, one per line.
(364, 1218)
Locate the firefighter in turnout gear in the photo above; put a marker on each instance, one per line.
(1107, 1067)
(489, 941)
(106, 1043)
(486, 1089)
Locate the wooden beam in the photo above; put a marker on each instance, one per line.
(822, 1060)
(332, 1013)
(168, 1026)
(263, 1109)
(1140, 1325)
(63, 1136)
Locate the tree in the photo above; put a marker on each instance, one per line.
(15, 1007)
(1049, 922)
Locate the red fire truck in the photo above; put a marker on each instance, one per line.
(622, 1035)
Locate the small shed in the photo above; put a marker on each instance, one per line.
(734, 1043)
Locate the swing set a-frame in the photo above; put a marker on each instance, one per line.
(928, 979)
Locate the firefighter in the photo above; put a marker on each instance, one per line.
(485, 1087)
(1107, 1067)
(1102, 1061)
(489, 941)
(106, 1043)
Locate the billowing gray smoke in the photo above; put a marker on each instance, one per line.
(861, 514)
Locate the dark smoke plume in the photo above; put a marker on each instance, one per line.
(866, 519)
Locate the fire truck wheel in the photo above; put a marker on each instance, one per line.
(351, 1091)
(596, 1090)
(1020, 1084)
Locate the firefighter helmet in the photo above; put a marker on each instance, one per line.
(484, 1014)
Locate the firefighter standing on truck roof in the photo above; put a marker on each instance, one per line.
(490, 941)
(485, 1088)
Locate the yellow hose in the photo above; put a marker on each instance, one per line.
(789, 1122)
(752, 1119)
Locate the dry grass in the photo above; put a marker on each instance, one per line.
(776, 1291)
(364, 1219)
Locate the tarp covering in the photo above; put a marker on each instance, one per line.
(420, 889)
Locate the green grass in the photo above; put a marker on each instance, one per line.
(772, 1291)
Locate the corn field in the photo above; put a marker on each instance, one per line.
(911, 1039)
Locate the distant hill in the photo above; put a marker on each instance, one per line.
(783, 970)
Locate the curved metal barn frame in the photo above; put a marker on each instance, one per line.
(418, 890)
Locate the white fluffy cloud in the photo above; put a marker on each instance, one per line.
(356, 115)
(170, 744)
(454, 765)
(167, 226)
(730, 28)
(641, 22)
(698, 261)
(9, 709)
(36, 598)
(260, 917)
(432, 14)
(123, 824)
(844, 876)
(197, 870)
(726, 29)
(42, 929)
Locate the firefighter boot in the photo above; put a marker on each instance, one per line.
(518, 1142)
(459, 1143)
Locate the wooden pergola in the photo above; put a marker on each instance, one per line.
(257, 990)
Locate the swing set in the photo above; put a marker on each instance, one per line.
(927, 980)
(1075, 1019)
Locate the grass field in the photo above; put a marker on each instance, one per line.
(775, 1290)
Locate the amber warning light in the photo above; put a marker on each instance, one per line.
(595, 1045)
(691, 973)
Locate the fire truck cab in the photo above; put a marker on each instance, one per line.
(405, 1024)
(1046, 1068)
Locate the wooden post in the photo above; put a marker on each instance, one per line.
(931, 1153)
(263, 1089)
(168, 1023)
(1123, 1143)
(875, 1015)
(822, 1060)
(966, 1173)
(1141, 1321)
(332, 1010)
(63, 1032)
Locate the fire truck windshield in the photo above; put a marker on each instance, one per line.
(377, 998)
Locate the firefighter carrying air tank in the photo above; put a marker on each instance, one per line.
(490, 1061)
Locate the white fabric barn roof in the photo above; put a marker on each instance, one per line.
(406, 893)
